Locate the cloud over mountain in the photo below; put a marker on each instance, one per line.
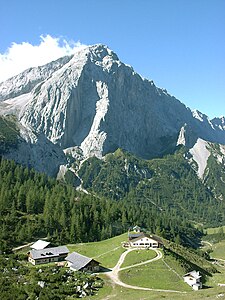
(19, 57)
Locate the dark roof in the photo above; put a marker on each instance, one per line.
(78, 260)
(134, 235)
(154, 237)
(49, 252)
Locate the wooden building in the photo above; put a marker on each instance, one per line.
(79, 262)
(47, 255)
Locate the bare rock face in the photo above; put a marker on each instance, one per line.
(92, 104)
(26, 81)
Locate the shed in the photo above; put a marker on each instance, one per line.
(137, 228)
(193, 279)
(79, 262)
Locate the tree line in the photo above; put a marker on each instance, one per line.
(33, 205)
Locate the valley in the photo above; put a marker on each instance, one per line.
(89, 149)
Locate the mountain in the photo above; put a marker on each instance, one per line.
(139, 154)
(91, 104)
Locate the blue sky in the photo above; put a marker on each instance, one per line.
(179, 44)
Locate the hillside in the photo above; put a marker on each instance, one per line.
(165, 273)
(34, 205)
(154, 277)
(168, 185)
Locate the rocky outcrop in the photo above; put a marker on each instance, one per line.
(92, 104)
(26, 81)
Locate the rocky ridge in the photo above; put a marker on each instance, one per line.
(91, 104)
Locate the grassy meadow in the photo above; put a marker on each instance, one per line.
(218, 250)
(157, 275)
(138, 256)
(213, 230)
(115, 292)
(107, 252)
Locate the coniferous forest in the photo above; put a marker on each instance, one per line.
(33, 205)
(170, 184)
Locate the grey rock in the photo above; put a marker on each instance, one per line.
(94, 103)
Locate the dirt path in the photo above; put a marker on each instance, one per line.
(114, 249)
(21, 247)
(207, 243)
(218, 259)
(114, 276)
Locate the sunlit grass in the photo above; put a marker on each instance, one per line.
(107, 252)
(154, 275)
(138, 256)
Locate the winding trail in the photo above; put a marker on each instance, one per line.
(114, 274)
(207, 243)
(114, 249)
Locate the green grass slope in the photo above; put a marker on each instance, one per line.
(155, 275)
(138, 256)
(165, 273)
(107, 252)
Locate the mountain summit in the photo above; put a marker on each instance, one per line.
(90, 104)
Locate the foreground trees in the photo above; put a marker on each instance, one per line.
(17, 281)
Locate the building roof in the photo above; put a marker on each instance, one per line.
(40, 245)
(49, 252)
(156, 238)
(136, 227)
(132, 236)
(194, 274)
(78, 260)
(153, 237)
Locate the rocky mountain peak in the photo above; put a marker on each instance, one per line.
(219, 122)
(92, 104)
(100, 51)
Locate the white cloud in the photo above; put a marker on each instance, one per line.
(19, 57)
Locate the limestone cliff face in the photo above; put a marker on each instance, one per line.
(26, 81)
(94, 103)
(98, 103)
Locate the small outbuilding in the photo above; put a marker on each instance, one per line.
(193, 279)
(40, 244)
(137, 228)
(79, 262)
